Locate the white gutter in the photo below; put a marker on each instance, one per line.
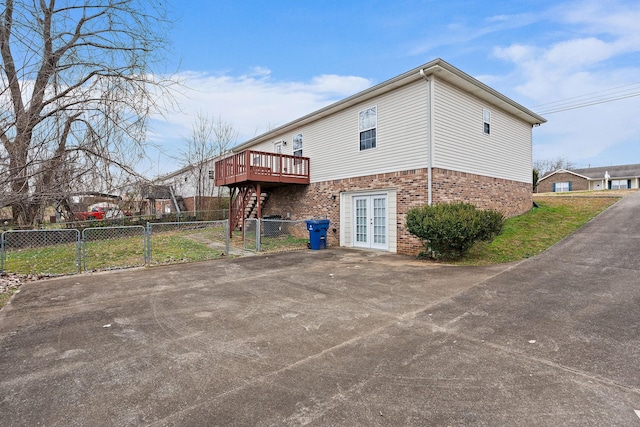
(429, 135)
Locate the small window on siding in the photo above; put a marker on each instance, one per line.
(486, 119)
(368, 122)
(297, 145)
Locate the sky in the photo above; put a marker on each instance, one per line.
(260, 64)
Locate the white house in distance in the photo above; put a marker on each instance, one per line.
(190, 188)
(431, 135)
(598, 178)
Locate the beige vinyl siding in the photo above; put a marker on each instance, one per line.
(460, 143)
(333, 145)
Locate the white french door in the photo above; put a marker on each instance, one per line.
(370, 218)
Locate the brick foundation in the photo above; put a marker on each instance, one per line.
(323, 198)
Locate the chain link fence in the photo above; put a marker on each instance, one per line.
(251, 237)
(69, 251)
(176, 242)
(49, 252)
(275, 235)
(106, 248)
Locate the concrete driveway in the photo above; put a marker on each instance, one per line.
(336, 337)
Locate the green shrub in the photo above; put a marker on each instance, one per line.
(450, 230)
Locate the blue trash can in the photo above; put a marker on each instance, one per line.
(317, 233)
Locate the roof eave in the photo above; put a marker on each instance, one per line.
(437, 67)
(562, 171)
(447, 72)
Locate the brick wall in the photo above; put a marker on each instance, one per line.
(577, 183)
(323, 198)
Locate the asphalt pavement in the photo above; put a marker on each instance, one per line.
(336, 337)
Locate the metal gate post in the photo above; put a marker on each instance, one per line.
(226, 233)
(147, 252)
(258, 221)
(2, 252)
(80, 252)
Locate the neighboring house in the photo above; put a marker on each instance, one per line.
(431, 135)
(600, 178)
(190, 188)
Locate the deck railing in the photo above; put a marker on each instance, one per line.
(259, 166)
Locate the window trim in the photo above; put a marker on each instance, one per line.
(372, 140)
(486, 121)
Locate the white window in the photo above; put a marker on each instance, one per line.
(619, 184)
(561, 187)
(297, 145)
(368, 121)
(486, 118)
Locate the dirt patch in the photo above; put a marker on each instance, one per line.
(10, 284)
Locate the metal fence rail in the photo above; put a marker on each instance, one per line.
(106, 248)
(49, 252)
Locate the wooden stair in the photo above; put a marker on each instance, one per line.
(243, 205)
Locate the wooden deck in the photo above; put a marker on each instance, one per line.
(261, 167)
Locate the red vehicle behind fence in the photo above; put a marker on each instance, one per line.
(100, 213)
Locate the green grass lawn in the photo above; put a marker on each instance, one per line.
(167, 247)
(533, 232)
(47, 260)
(282, 243)
(173, 247)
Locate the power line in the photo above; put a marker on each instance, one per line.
(593, 98)
(586, 94)
(587, 104)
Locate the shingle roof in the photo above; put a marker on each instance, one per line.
(622, 171)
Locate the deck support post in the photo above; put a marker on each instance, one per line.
(259, 213)
(229, 218)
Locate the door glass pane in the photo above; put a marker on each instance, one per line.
(379, 220)
(277, 161)
(361, 220)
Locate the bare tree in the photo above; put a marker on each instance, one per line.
(209, 139)
(551, 165)
(76, 89)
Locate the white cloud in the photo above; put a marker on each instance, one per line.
(602, 35)
(252, 102)
(460, 34)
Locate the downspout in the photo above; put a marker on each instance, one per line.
(429, 135)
